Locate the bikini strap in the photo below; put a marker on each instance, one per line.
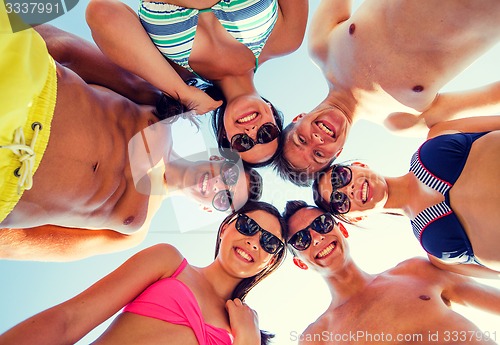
(180, 268)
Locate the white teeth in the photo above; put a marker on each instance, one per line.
(325, 129)
(243, 254)
(364, 192)
(327, 250)
(204, 184)
(247, 118)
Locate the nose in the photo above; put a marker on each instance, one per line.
(348, 190)
(317, 238)
(251, 131)
(316, 138)
(252, 242)
(217, 184)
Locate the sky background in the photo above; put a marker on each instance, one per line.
(290, 299)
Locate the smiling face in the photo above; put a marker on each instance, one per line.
(243, 255)
(208, 184)
(316, 138)
(366, 191)
(326, 250)
(245, 115)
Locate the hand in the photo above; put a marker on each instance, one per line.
(197, 100)
(244, 322)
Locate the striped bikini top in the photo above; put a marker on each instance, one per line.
(173, 28)
(438, 164)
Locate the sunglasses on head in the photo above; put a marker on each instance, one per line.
(229, 173)
(241, 142)
(323, 224)
(341, 177)
(249, 227)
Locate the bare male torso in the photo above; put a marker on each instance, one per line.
(394, 56)
(408, 304)
(84, 177)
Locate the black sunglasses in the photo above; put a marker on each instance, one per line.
(341, 177)
(323, 224)
(229, 173)
(241, 142)
(249, 227)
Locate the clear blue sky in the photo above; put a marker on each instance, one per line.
(294, 85)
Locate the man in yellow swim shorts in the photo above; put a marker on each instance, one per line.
(66, 186)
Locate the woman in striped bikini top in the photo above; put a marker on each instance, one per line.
(221, 42)
(451, 195)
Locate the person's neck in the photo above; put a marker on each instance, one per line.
(400, 192)
(234, 86)
(176, 171)
(222, 283)
(344, 101)
(346, 282)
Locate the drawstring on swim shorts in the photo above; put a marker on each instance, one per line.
(26, 156)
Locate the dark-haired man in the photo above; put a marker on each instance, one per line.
(386, 63)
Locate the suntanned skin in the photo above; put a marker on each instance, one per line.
(84, 176)
(404, 51)
(83, 200)
(412, 299)
(212, 287)
(387, 61)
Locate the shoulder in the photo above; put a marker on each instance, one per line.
(422, 268)
(417, 266)
(312, 334)
(164, 255)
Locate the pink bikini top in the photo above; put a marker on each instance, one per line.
(172, 301)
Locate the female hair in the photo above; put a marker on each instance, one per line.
(247, 284)
(255, 184)
(220, 131)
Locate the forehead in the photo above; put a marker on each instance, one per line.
(302, 219)
(266, 221)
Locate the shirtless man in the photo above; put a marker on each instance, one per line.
(407, 304)
(84, 178)
(386, 63)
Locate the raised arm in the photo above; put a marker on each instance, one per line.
(119, 34)
(448, 107)
(466, 291)
(68, 322)
(55, 243)
(457, 105)
(467, 125)
(289, 31)
(470, 270)
(328, 15)
(86, 60)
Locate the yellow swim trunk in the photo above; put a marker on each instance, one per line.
(28, 92)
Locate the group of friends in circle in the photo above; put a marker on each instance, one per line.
(87, 159)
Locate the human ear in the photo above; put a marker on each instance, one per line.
(343, 230)
(299, 263)
(216, 158)
(298, 117)
(224, 227)
(206, 208)
(359, 164)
